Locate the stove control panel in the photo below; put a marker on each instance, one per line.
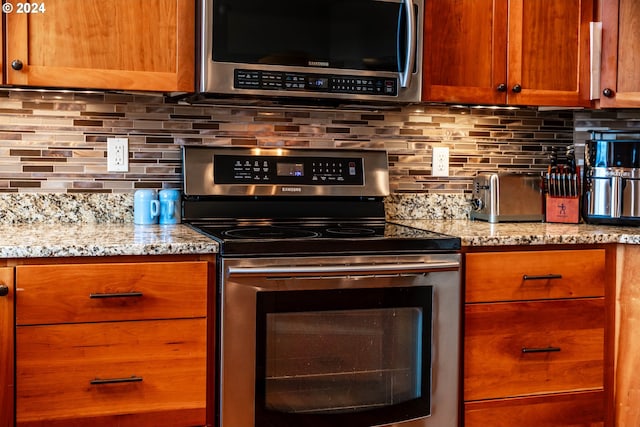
(243, 169)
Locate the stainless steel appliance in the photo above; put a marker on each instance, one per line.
(612, 178)
(327, 314)
(507, 197)
(340, 49)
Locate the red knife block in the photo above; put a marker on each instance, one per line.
(563, 209)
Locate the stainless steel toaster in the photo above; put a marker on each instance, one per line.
(504, 197)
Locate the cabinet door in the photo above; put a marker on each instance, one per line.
(534, 275)
(6, 347)
(2, 81)
(528, 348)
(116, 44)
(72, 293)
(620, 75)
(579, 409)
(549, 52)
(465, 51)
(125, 374)
(520, 52)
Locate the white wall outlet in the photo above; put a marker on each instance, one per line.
(117, 155)
(440, 162)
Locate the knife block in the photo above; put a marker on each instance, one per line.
(563, 209)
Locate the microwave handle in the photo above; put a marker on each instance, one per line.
(410, 56)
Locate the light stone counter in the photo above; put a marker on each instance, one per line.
(97, 239)
(480, 233)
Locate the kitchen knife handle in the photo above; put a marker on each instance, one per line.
(131, 379)
(542, 277)
(116, 295)
(527, 350)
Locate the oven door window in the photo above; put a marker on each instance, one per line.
(349, 357)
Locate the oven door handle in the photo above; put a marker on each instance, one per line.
(333, 270)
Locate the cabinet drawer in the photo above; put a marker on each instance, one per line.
(102, 292)
(164, 359)
(567, 409)
(563, 344)
(513, 276)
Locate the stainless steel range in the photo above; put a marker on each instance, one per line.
(327, 313)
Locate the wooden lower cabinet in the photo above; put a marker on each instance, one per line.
(523, 348)
(118, 344)
(535, 337)
(7, 389)
(138, 373)
(566, 409)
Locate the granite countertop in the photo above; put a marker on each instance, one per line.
(480, 233)
(89, 239)
(96, 239)
(67, 225)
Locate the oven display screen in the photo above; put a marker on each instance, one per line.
(290, 169)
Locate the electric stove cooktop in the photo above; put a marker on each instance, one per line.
(288, 239)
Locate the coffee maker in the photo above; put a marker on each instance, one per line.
(611, 192)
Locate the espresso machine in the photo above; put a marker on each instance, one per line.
(612, 178)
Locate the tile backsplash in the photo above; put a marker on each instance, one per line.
(55, 142)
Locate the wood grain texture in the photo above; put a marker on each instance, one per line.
(498, 276)
(495, 334)
(7, 388)
(60, 293)
(120, 44)
(549, 51)
(582, 409)
(620, 44)
(473, 46)
(627, 362)
(465, 44)
(57, 362)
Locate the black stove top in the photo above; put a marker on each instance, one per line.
(315, 239)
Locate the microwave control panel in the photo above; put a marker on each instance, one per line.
(278, 80)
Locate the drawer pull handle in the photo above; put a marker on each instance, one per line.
(527, 350)
(116, 295)
(131, 379)
(542, 277)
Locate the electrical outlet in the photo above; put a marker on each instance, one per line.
(117, 155)
(440, 162)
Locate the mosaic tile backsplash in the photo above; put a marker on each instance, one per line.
(55, 142)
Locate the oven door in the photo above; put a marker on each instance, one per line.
(354, 342)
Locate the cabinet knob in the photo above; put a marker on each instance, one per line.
(607, 92)
(4, 290)
(516, 88)
(502, 87)
(16, 64)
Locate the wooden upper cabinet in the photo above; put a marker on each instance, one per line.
(519, 52)
(116, 44)
(465, 51)
(620, 74)
(2, 56)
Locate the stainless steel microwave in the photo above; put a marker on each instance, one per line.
(369, 50)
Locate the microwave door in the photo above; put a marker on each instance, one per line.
(326, 49)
